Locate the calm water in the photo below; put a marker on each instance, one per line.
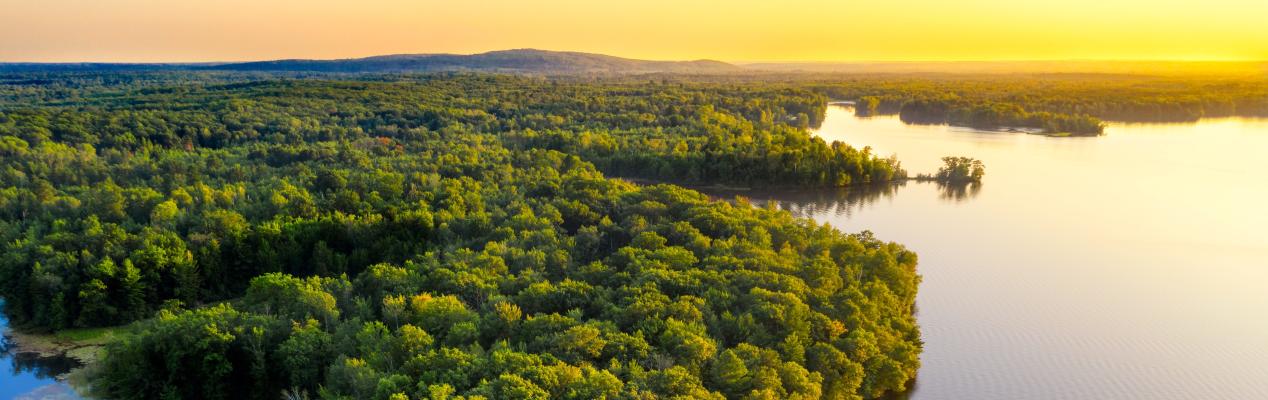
(25, 376)
(1128, 266)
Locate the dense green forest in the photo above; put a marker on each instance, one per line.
(460, 236)
(443, 236)
(745, 134)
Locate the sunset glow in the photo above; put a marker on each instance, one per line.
(633, 199)
(740, 30)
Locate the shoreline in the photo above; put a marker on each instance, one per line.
(51, 345)
(83, 348)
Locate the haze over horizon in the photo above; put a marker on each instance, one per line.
(733, 62)
(737, 31)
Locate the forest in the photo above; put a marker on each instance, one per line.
(470, 235)
(443, 237)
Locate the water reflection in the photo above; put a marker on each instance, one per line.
(834, 201)
(842, 202)
(27, 375)
(42, 368)
(817, 201)
(956, 192)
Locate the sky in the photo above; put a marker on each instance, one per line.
(729, 30)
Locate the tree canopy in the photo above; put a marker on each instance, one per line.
(446, 236)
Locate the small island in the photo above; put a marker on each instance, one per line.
(957, 170)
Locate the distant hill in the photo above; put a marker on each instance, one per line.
(521, 60)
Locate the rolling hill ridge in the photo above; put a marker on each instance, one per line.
(520, 60)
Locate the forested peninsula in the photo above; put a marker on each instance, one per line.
(443, 236)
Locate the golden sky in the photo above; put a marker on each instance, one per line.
(731, 30)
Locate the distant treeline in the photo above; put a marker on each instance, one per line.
(751, 134)
(949, 110)
(1073, 104)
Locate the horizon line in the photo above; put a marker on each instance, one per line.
(733, 62)
(914, 60)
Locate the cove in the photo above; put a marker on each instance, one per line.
(1128, 266)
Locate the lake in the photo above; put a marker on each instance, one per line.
(1128, 266)
(26, 376)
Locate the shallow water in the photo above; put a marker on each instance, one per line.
(27, 376)
(1128, 266)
